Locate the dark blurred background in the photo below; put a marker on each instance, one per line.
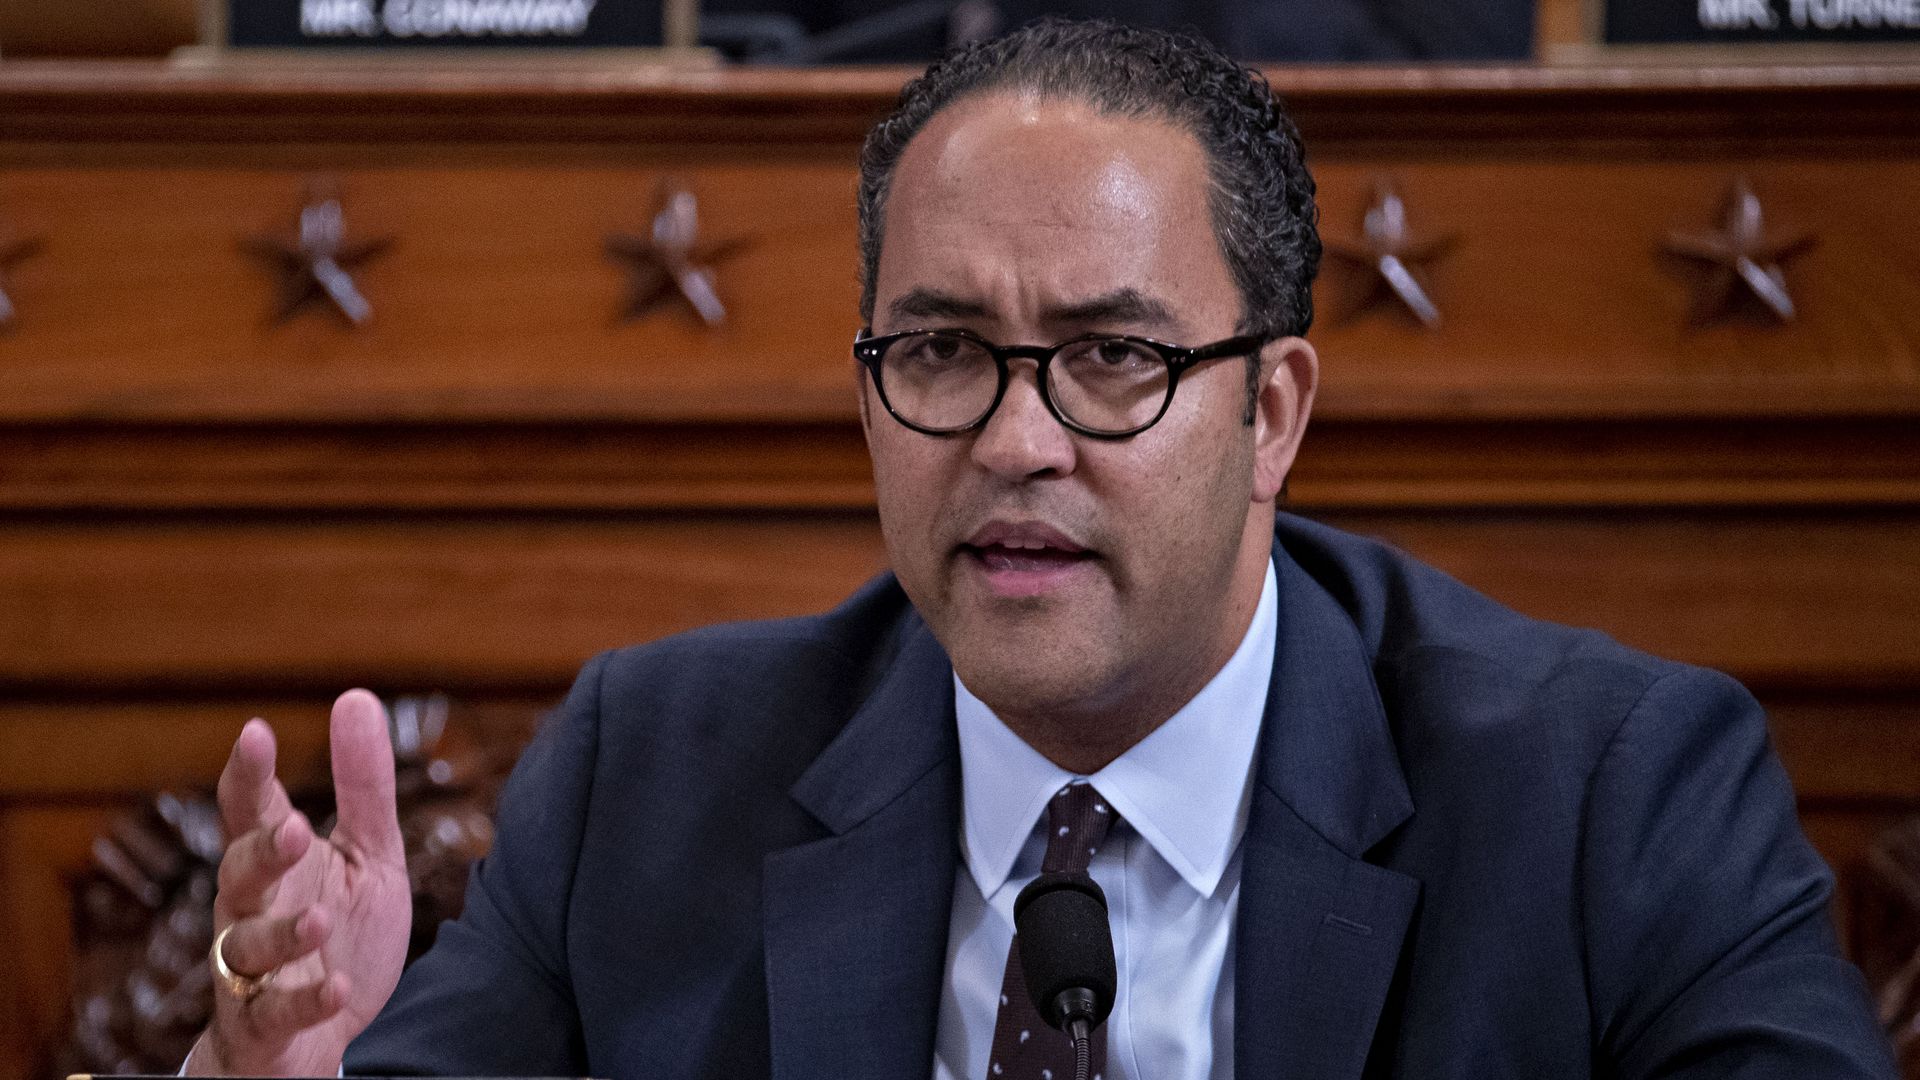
(841, 31)
(1304, 30)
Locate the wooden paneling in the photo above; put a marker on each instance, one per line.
(1849, 748)
(1844, 834)
(581, 466)
(124, 28)
(1346, 465)
(99, 748)
(494, 274)
(1407, 463)
(1780, 600)
(84, 111)
(1855, 763)
(1557, 301)
(497, 300)
(273, 603)
(43, 849)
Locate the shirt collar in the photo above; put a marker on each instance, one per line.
(1185, 788)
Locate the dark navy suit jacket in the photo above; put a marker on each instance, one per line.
(1480, 847)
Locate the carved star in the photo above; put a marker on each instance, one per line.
(317, 265)
(1391, 257)
(1742, 259)
(13, 251)
(671, 258)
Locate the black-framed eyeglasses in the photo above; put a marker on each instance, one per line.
(945, 382)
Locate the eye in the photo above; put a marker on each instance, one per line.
(935, 350)
(1111, 355)
(944, 348)
(1117, 353)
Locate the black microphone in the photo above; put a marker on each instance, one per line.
(1066, 953)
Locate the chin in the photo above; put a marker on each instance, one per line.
(1054, 681)
(1033, 655)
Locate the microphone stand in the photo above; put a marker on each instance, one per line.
(1082, 1048)
(1077, 1007)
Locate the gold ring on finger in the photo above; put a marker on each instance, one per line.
(243, 987)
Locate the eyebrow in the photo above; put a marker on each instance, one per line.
(928, 304)
(1127, 306)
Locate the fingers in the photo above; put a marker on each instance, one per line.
(256, 946)
(250, 795)
(255, 862)
(363, 784)
(252, 1035)
(281, 1012)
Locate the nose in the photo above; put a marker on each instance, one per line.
(1022, 440)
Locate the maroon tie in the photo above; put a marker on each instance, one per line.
(1024, 1046)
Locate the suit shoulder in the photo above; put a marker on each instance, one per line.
(1503, 724)
(1401, 605)
(814, 665)
(1445, 653)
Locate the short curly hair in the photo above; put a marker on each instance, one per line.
(1262, 194)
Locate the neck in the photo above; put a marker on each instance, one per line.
(1082, 747)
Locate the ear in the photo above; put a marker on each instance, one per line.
(1290, 374)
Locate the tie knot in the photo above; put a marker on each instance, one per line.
(1078, 818)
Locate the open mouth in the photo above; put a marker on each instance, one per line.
(1026, 560)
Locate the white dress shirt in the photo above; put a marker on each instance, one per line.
(1170, 869)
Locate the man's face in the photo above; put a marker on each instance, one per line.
(1069, 576)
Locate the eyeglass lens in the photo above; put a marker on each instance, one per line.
(946, 382)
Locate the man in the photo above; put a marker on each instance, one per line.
(1350, 816)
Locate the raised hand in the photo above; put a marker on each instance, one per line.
(314, 929)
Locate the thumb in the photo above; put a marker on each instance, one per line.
(363, 786)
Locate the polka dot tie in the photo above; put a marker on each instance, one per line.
(1025, 1047)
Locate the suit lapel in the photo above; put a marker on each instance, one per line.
(856, 923)
(1319, 929)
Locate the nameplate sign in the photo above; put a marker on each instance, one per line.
(1663, 22)
(437, 25)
